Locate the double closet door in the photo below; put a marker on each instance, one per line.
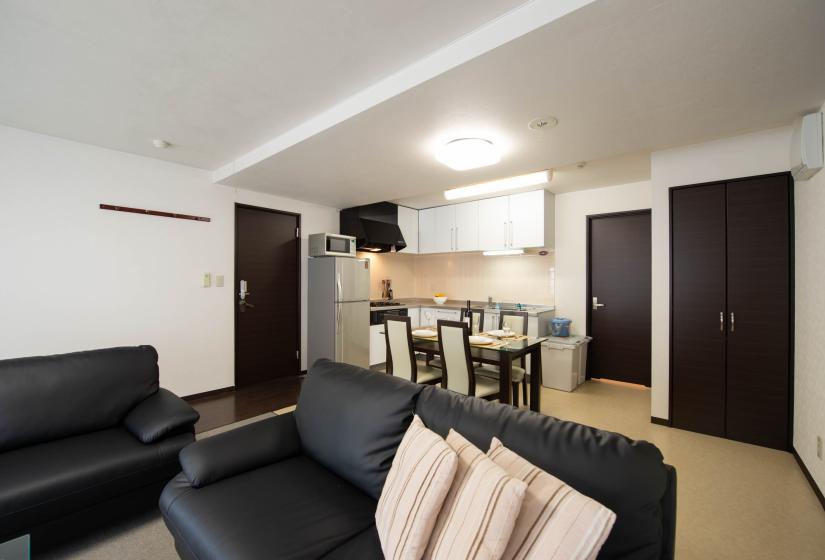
(731, 247)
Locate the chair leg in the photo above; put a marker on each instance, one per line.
(515, 395)
(524, 384)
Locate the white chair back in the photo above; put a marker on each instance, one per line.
(454, 347)
(399, 348)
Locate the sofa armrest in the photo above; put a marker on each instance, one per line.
(160, 415)
(240, 450)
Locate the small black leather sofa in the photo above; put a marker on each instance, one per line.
(306, 484)
(85, 439)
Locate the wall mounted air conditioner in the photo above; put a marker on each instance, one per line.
(807, 151)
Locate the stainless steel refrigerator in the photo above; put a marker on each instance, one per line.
(338, 305)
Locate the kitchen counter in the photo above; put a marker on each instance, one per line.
(458, 304)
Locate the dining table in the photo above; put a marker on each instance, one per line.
(502, 353)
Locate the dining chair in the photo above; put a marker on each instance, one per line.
(477, 327)
(517, 321)
(401, 360)
(458, 374)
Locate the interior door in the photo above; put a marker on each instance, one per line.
(759, 322)
(620, 285)
(444, 229)
(466, 226)
(527, 219)
(267, 319)
(698, 308)
(493, 223)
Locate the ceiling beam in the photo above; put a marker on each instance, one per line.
(508, 27)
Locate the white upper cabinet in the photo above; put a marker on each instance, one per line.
(517, 221)
(445, 229)
(526, 227)
(466, 227)
(426, 231)
(408, 222)
(493, 223)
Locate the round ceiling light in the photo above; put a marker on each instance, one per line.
(468, 153)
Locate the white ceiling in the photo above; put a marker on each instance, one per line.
(623, 77)
(214, 77)
(227, 82)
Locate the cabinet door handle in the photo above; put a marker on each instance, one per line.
(511, 234)
(456, 238)
(732, 322)
(505, 234)
(721, 321)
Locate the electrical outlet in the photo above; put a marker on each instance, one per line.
(819, 446)
(219, 281)
(207, 279)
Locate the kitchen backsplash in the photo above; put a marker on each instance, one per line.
(516, 279)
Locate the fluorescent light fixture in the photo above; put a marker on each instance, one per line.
(503, 252)
(468, 153)
(508, 184)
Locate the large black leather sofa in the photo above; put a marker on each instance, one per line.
(305, 485)
(85, 438)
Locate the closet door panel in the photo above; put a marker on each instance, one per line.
(758, 377)
(698, 297)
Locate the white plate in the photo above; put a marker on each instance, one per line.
(481, 340)
(499, 332)
(424, 332)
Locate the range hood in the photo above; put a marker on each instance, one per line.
(374, 226)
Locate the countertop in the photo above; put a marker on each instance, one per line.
(458, 304)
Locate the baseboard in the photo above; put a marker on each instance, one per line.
(659, 421)
(212, 393)
(811, 480)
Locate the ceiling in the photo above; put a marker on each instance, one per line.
(216, 78)
(623, 77)
(250, 89)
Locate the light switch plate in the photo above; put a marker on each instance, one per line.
(207, 279)
(219, 281)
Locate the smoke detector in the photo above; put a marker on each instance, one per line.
(158, 143)
(543, 123)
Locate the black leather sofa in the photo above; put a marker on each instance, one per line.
(85, 438)
(305, 485)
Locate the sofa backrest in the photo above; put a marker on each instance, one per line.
(351, 420)
(52, 397)
(627, 476)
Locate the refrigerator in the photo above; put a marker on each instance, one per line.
(338, 310)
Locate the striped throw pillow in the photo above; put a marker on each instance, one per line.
(556, 522)
(480, 510)
(418, 482)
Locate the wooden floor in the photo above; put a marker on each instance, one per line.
(235, 405)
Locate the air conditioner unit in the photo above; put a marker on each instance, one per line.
(807, 152)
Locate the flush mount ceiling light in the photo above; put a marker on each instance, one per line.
(468, 153)
(510, 183)
(503, 252)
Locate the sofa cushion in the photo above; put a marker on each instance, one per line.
(364, 546)
(45, 481)
(351, 420)
(50, 397)
(291, 509)
(627, 476)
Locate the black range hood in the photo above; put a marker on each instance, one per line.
(374, 226)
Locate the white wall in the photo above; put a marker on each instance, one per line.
(74, 277)
(572, 210)
(741, 156)
(809, 353)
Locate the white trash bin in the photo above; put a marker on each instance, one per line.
(564, 362)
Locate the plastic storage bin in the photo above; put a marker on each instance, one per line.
(564, 362)
(560, 327)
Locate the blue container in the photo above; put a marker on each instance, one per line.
(560, 326)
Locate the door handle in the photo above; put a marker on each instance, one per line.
(596, 303)
(721, 321)
(732, 322)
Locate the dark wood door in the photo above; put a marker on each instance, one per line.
(267, 330)
(619, 279)
(759, 288)
(698, 323)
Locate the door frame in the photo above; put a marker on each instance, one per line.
(588, 278)
(791, 290)
(236, 279)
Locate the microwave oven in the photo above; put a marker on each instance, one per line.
(331, 245)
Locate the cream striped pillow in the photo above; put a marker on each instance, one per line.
(418, 481)
(556, 521)
(480, 509)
